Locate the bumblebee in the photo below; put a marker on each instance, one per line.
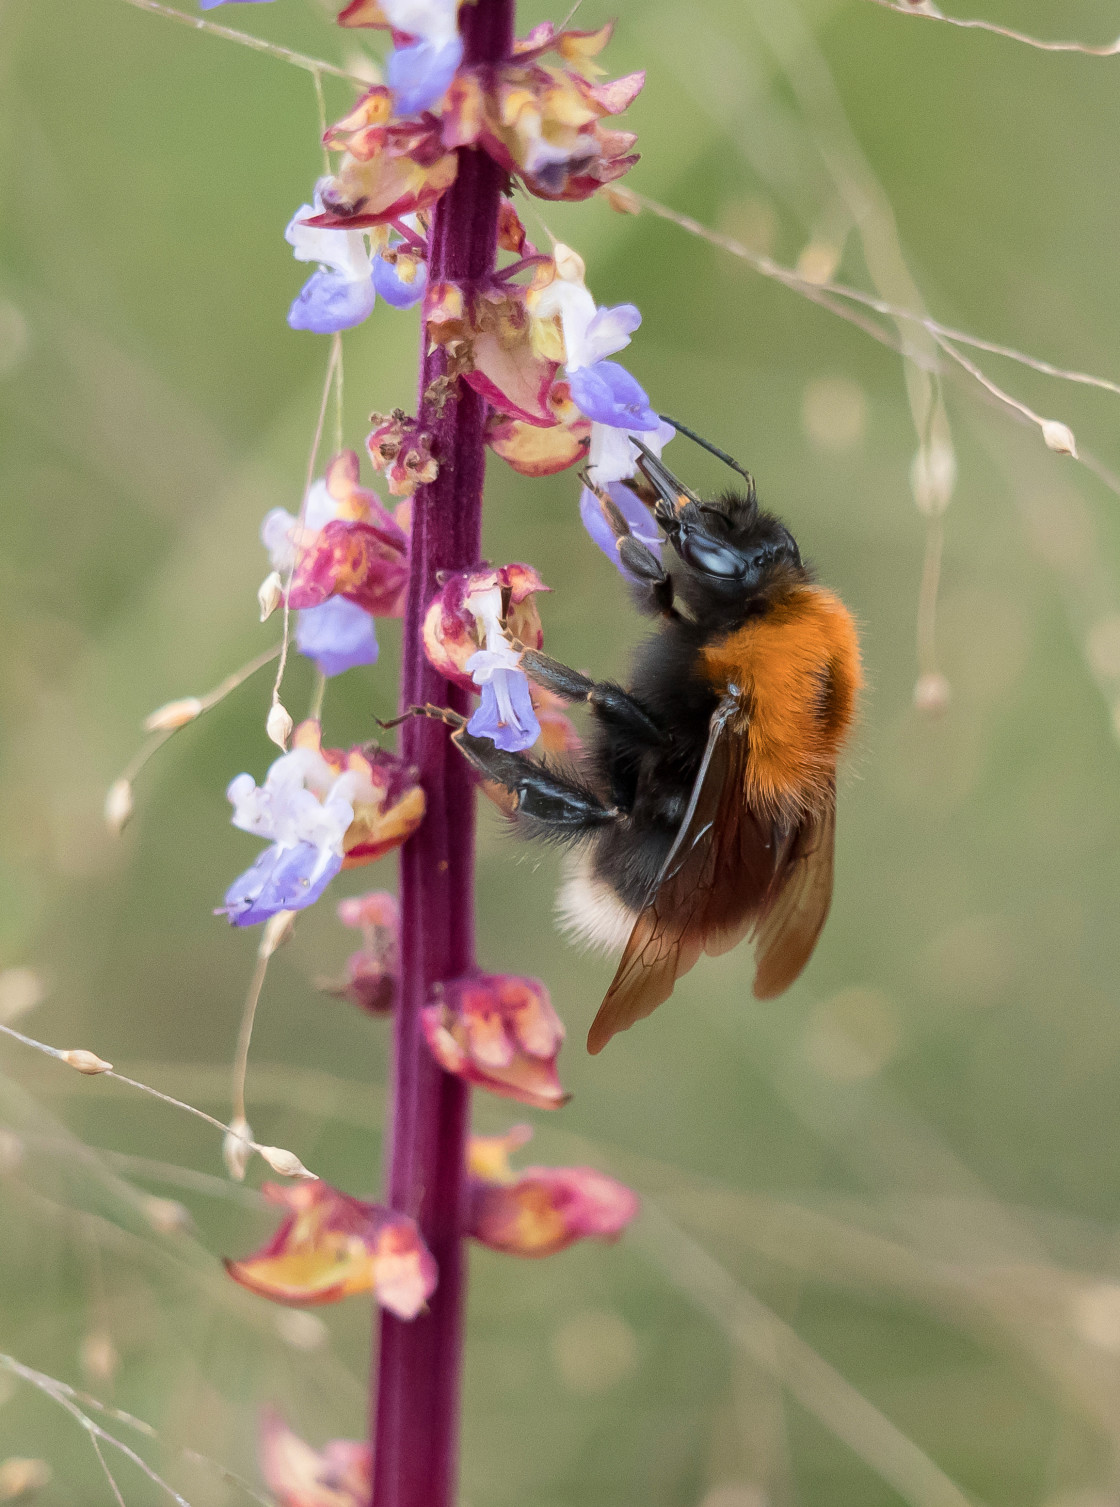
(703, 809)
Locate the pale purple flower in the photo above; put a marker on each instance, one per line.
(393, 288)
(341, 293)
(213, 4)
(608, 394)
(614, 456)
(281, 879)
(338, 636)
(305, 808)
(637, 515)
(420, 74)
(505, 714)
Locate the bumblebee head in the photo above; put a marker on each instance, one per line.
(732, 552)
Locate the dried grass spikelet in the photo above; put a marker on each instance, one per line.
(270, 593)
(279, 725)
(86, 1062)
(284, 1162)
(173, 714)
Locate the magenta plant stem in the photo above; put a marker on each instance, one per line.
(416, 1401)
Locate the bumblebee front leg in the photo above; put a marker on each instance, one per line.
(557, 804)
(641, 563)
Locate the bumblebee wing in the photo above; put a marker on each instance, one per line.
(710, 887)
(801, 893)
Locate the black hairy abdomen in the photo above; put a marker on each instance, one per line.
(652, 785)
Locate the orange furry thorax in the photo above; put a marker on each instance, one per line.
(797, 670)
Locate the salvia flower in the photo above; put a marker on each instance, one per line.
(540, 1210)
(465, 638)
(330, 1246)
(372, 979)
(421, 66)
(467, 610)
(341, 293)
(339, 1475)
(323, 810)
(541, 121)
(498, 1031)
(400, 273)
(602, 390)
(348, 558)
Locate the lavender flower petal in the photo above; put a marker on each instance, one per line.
(328, 302)
(281, 879)
(392, 287)
(608, 394)
(338, 636)
(421, 73)
(505, 714)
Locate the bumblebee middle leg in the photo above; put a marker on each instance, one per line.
(654, 582)
(556, 803)
(609, 701)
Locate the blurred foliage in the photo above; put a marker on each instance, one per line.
(883, 1223)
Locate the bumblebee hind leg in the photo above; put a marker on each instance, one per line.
(554, 803)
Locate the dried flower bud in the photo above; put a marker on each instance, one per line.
(932, 694)
(86, 1062)
(1059, 437)
(279, 725)
(284, 1162)
(20, 1476)
(237, 1148)
(569, 264)
(118, 806)
(270, 593)
(622, 199)
(99, 1357)
(277, 930)
(173, 714)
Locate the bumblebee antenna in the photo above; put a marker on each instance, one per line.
(697, 439)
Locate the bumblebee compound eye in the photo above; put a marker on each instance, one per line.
(711, 557)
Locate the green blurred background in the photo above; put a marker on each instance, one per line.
(880, 1258)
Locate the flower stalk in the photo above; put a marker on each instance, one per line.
(416, 1402)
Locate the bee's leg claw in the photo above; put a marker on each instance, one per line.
(609, 701)
(436, 713)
